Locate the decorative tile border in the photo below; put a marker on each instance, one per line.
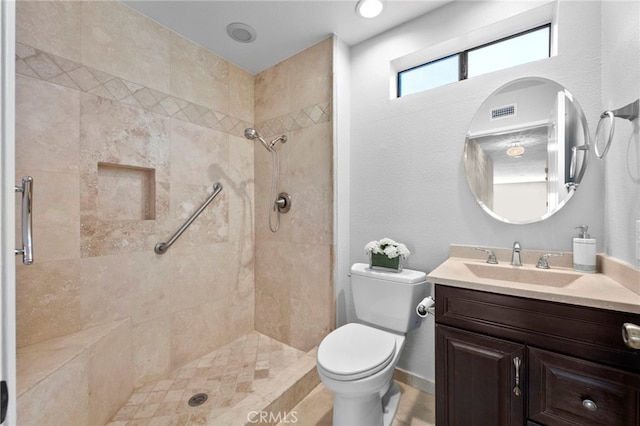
(308, 116)
(54, 69)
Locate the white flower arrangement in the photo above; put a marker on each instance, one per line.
(388, 247)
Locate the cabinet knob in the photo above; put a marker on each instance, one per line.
(631, 335)
(589, 405)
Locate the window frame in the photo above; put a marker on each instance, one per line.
(463, 56)
(425, 64)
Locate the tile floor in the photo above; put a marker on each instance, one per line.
(242, 376)
(227, 375)
(416, 408)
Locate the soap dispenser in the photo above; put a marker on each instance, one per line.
(584, 251)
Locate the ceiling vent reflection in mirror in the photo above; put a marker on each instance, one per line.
(502, 112)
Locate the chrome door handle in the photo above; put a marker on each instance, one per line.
(631, 335)
(27, 226)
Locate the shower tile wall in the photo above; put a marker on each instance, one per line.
(294, 279)
(125, 126)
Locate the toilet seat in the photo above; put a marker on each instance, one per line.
(354, 351)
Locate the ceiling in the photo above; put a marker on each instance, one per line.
(531, 167)
(283, 28)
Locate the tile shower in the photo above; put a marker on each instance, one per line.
(125, 126)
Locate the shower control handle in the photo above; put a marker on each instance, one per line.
(283, 202)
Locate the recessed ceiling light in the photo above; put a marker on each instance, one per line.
(369, 8)
(241, 32)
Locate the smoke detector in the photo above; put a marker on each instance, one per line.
(242, 33)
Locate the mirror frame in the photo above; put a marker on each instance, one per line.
(585, 148)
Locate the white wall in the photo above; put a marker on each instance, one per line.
(520, 201)
(620, 86)
(407, 176)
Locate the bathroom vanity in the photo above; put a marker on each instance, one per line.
(526, 352)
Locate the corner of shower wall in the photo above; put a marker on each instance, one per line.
(294, 267)
(342, 181)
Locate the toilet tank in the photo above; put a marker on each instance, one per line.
(387, 299)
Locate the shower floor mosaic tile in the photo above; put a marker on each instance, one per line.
(226, 375)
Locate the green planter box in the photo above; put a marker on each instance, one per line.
(382, 262)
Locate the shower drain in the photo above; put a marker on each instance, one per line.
(198, 399)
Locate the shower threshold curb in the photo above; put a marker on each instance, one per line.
(272, 400)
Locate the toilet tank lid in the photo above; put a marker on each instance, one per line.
(407, 276)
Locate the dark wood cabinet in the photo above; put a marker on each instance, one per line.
(575, 369)
(478, 373)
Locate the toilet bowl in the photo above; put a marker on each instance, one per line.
(356, 361)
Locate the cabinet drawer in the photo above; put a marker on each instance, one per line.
(584, 332)
(562, 389)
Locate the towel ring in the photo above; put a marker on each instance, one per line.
(612, 121)
(628, 112)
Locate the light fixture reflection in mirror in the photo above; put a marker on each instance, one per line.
(515, 151)
(518, 165)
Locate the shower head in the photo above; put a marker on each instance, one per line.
(252, 134)
(282, 139)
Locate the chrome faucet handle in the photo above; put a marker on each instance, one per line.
(491, 256)
(543, 262)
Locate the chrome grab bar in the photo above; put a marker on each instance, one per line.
(27, 224)
(162, 247)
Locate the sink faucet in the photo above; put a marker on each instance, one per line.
(515, 255)
(543, 262)
(491, 257)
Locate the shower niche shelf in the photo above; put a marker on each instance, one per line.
(125, 192)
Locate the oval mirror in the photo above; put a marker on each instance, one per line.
(526, 150)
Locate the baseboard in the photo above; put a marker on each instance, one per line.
(420, 383)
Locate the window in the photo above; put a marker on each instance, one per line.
(427, 76)
(510, 51)
(519, 49)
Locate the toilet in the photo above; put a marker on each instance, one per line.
(356, 361)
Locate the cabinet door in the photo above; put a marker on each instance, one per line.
(567, 391)
(475, 379)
